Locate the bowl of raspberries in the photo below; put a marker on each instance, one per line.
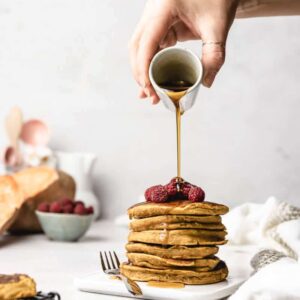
(65, 219)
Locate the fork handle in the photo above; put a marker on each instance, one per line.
(132, 287)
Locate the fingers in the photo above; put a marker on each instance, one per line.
(142, 94)
(145, 91)
(148, 38)
(152, 95)
(155, 31)
(213, 33)
(169, 40)
(178, 32)
(183, 32)
(149, 44)
(213, 57)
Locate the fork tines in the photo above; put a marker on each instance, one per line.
(111, 265)
(109, 261)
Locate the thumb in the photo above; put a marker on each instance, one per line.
(213, 57)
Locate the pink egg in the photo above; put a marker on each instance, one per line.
(35, 133)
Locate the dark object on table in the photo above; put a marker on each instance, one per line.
(43, 296)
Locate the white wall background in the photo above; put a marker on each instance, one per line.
(66, 61)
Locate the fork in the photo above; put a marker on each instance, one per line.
(112, 267)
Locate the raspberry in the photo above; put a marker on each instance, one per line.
(78, 202)
(44, 207)
(90, 210)
(55, 207)
(79, 209)
(196, 194)
(147, 194)
(185, 188)
(171, 188)
(67, 208)
(174, 180)
(66, 201)
(157, 193)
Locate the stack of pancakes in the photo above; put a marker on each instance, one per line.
(176, 242)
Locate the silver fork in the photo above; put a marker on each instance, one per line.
(112, 267)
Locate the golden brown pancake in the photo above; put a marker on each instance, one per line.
(175, 252)
(186, 276)
(177, 222)
(156, 262)
(16, 286)
(179, 237)
(184, 207)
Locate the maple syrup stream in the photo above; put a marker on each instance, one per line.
(175, 91)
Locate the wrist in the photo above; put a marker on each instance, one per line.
(266, 8)
(246, 7)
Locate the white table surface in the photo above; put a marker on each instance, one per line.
(55, 264)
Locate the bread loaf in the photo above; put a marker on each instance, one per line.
(28, 188)
(11, 199)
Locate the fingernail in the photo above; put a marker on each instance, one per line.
(208, 80)
(143, 83)
(153, 99)
(147, 92)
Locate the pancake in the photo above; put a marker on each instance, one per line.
(156, 262)
(186, 276)
(175, 252)
(177, 222)
(179, 237)
(184, 207)
(16, 286)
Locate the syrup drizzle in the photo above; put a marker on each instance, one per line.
(163, 284)
(175, 90)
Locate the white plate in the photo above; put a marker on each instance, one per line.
(102, 284)
(238, 265)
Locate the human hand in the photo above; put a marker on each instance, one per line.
(164, 22)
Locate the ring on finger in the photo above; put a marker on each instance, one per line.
(221, 44)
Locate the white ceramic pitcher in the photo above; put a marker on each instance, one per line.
(79, 166)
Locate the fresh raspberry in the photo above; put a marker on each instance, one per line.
(157, 193)
(148, 194)
(171, 188)
(55, 207)
(185, 189)
(196, 194)
(66, 201)
(68, 208)
(79, 209)
(44, 207)
(174, 180)
(90, 210)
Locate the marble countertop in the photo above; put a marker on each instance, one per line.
(54, 265)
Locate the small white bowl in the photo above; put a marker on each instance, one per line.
(64, 227)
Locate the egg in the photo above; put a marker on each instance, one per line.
(35, 133)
